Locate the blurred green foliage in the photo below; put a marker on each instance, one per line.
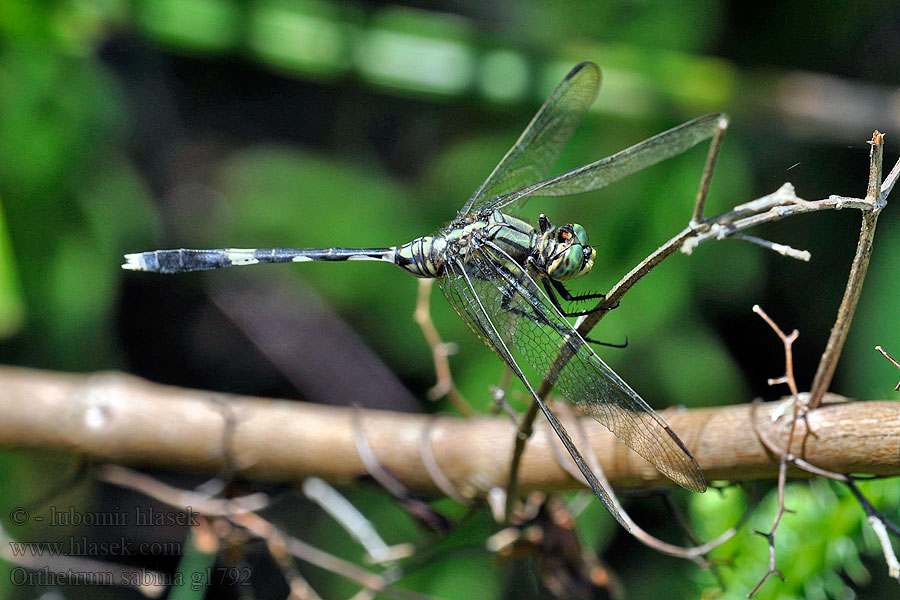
(126, 126)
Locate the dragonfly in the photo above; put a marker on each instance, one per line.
(506, 278)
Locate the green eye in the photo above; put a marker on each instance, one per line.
(580, 233)
(570, 264)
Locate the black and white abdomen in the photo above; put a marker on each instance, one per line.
(423, 257)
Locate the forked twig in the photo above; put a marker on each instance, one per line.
(880, 524)
(266, 530)
(893, 361)
(873, 514)
(440, 350)
(787, 378)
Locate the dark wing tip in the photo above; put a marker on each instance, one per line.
(588, 66)
(585, 64)
(689, 476)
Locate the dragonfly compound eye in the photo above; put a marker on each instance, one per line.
(572, 262)
(580, 233)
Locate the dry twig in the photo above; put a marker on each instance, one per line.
(875, 200)
(440, 350)
(240, 511)
(879, 522)
(784, 456)
(893, 361)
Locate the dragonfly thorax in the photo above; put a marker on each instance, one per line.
(560, 253)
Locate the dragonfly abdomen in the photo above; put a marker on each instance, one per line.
(185, 260)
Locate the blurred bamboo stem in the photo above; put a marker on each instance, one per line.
(112, 417)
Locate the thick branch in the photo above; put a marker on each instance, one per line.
(119, 418)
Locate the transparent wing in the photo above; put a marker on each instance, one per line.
(528, 324)
(539, 146)
(607, 170)
(460, 290)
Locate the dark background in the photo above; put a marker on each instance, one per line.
(129, 126)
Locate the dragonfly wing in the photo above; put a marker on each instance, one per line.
(607, 170)
(540, 144)
(460, 287)
(530, 325)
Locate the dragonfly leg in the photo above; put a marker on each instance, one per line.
(541, 319)
(537, 316)
(573, 298)
(607, 344)
(554, 287)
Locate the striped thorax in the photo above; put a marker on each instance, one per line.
(560, 253)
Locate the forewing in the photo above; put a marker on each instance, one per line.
(460, 289)
(530, 326)
(607, 170)
(539, 146)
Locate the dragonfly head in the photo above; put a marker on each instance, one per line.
(568, 253)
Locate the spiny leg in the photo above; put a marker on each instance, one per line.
(568, 296)
(542, 319)
(554, 287)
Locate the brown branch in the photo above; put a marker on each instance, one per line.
(119, 418)
(858, 269)
(885, 354)
(715, 145)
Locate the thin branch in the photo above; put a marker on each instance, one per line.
(353, 521)
(308, 553)
(715, 145)
(440, 350)
(523, 433)
(781, 249)
(858, 269)
(893, 361)
(173, 496)
(886, 548)
(788, 378)
(889, 182)
(878, 520)
(299, 586)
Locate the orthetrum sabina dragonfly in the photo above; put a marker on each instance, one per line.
(489, 263)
